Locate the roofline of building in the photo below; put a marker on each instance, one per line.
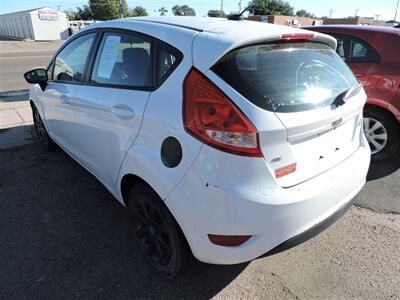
(26, 11)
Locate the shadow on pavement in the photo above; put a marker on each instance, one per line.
(63, 235)
(385, 168)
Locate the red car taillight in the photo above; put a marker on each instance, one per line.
(212, 118)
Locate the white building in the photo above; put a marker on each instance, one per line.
(43, 24)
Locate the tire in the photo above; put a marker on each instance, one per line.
(41, 133)
(157, 233)
(380, 123)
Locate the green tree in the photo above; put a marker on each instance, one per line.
(271, 7)
(216, 13)
(84, 13)
(304, 13)
(163, 11)
(183, 10)
(107, 9)
(138, 11)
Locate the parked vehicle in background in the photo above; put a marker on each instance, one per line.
(225, 139)
(373, 53)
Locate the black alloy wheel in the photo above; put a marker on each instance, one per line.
(157, 233)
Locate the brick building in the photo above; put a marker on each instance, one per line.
(292, 21)
(354, 21)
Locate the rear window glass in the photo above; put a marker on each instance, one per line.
(286, 77)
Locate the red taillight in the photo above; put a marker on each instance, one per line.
(212, 118)
(297, 36)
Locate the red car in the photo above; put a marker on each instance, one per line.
(373, 54)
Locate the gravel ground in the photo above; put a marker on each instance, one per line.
(64, 236)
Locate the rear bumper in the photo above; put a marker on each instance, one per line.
(311, 232)
(238, 196)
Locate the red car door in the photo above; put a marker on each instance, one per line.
(361, 57)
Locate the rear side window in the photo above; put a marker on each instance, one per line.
(168, 58)
(286, 77)
(355, 50)
(123, 60)
(70, 62)
(165, 61)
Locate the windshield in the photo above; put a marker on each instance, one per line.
(286, 77)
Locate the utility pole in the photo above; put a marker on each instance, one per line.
(356, 14)
(240, 6)
(377, 17)
(222, 5)
(397, 7)
(121, 11)
(330, 12)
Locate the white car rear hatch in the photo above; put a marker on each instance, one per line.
(295, 76)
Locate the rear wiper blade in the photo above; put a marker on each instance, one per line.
(342, 97)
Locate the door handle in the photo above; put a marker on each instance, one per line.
(123, 111)
(64, 99)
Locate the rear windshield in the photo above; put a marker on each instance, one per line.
(286, 77)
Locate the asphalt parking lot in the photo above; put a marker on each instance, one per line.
(62, 235)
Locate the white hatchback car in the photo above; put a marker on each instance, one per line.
(225, 139)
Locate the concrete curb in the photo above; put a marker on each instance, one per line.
(14, 94)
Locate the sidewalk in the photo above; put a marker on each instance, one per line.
(15, 111)
(15, 121)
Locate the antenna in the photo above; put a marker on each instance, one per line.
(239, 16)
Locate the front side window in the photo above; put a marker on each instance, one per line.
(70, 62)
(354, 50)
(286, 77)
(123, 60)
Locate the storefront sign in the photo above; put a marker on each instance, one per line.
(48, 15)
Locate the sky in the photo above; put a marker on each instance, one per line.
(342, 8)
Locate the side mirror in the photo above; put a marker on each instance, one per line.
(38, 76)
